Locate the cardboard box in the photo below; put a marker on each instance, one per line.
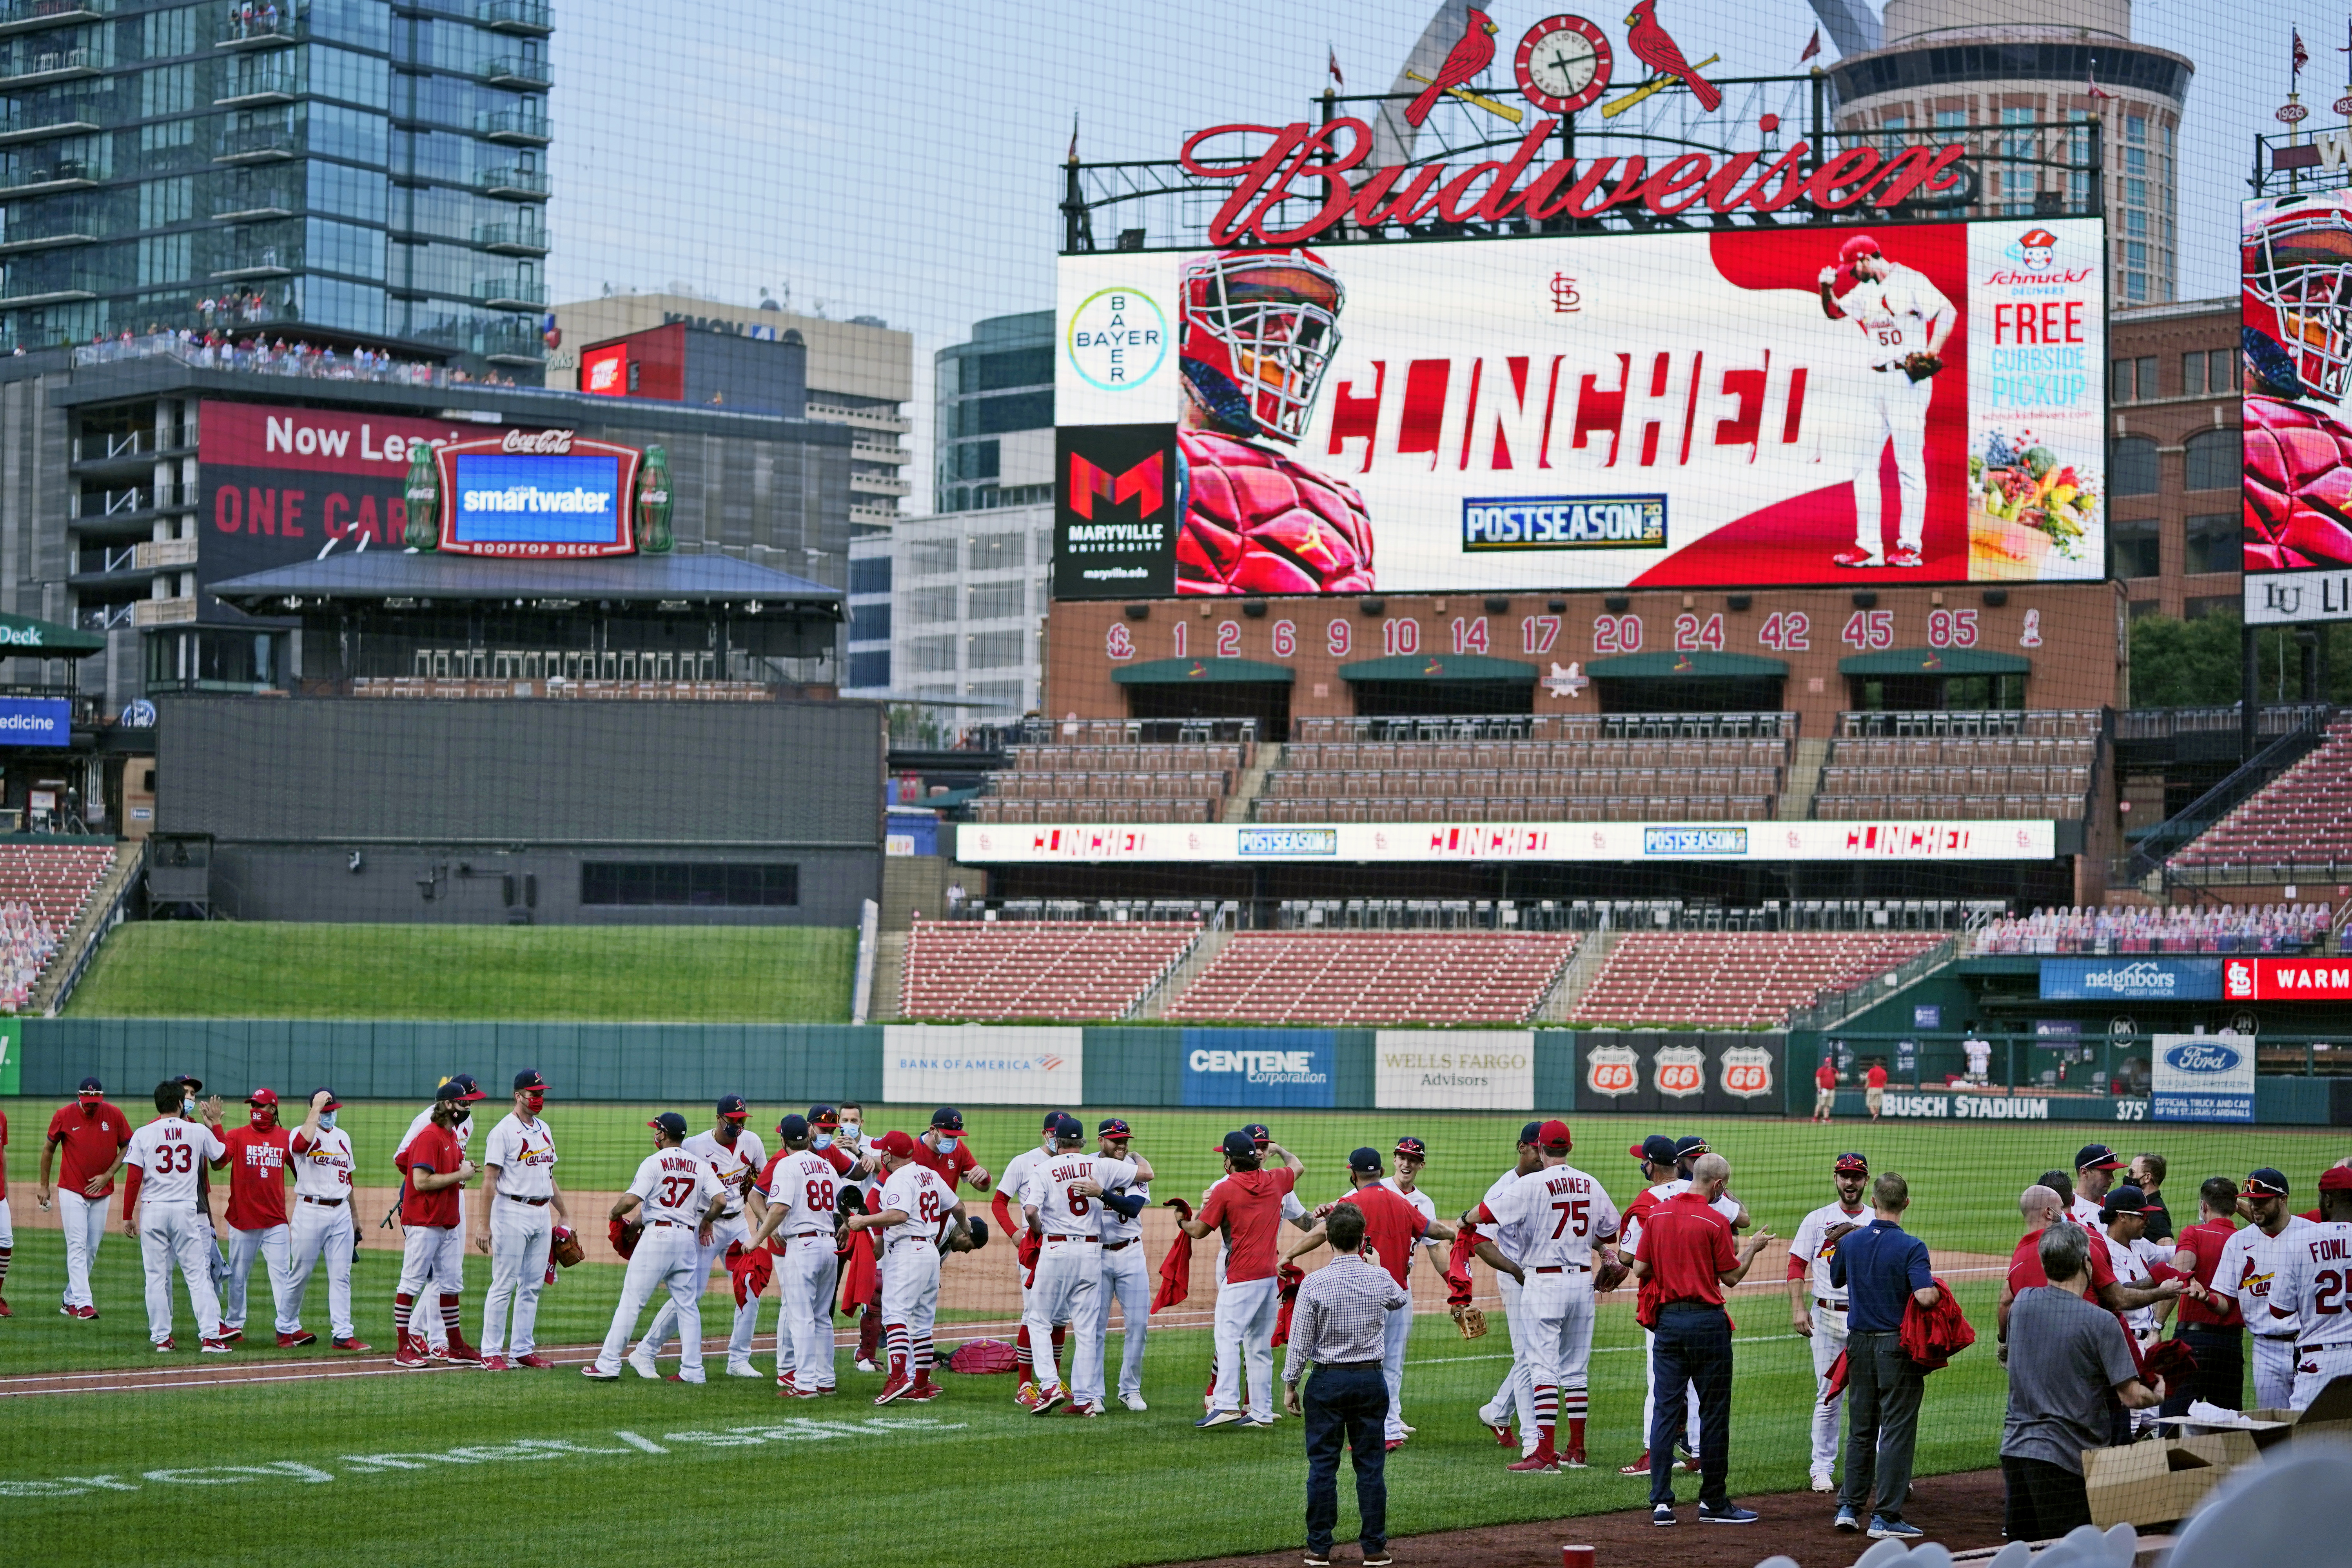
(2331, 1412)
(2160, 1481)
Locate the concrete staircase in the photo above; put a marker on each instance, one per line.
(1804, 779)
(1577, 978)
(1242, 805)
(889, 967)
(1156, 1001)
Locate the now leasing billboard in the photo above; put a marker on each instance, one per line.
(1868, 406)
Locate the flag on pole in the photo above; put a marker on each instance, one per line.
(2091, 83)
(1812, 47)
(1073, 136)
(2301, 55)
(1331, 63)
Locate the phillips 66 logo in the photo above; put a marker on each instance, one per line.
(1747, 1071)
(1610, 1069)
(1680, 1071)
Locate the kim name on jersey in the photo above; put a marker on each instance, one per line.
(1564, 522)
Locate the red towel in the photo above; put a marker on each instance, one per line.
(751, 1270)
(1837, 1376)
(1457, 1267)
(861, 1276)
(1288, 1278)
(1933, 1336)
(1176, 1269)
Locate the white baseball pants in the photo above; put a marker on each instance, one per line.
(1069, 1280)
(1397, 1326)
(1516, 1394)
(1829, 1339)
(1126, 1279)
(85, 1226)
(7, 1225)
(910, 1287)
(273, 1245)
(219, 1264)
(664, 1261)
(1894, 408)
(804, 1311)
(1244, 1332)
(1559, 1309)
(520, 1235)
(319, 1231)
(169, 1234)
(449, 1280)
(2316, 1368)
(725, 1229)
(430, 1254)
(2274, 1371)
(1650, 1397)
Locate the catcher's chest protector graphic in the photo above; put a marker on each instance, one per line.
(2298, 487)
(1261, 522)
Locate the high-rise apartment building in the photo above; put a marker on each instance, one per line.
(1952, 64)
(366, 168)
(994, 397)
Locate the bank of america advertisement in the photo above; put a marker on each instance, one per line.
(2295, 297)
(1873, 405)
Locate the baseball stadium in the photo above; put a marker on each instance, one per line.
(1597, 791)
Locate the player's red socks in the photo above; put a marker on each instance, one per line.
(1576, 1434)
(458, 1349)
(869, 1334)
(402, 1305)
(1060, 1333)
(1023, 1362)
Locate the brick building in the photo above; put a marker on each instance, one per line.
(2174, 464)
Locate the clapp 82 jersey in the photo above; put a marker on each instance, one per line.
(917, 1192)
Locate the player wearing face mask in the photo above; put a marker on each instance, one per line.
(322, 1224)
(93, 1134)
(859, 1287)
(434, 1239)
(525, 1206)
(256, 1164)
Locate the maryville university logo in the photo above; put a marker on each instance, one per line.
(1612, 1070)
(1145, 484)
(1681, 1071)
(539, 443)
(1747, 1071)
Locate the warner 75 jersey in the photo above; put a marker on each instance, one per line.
(1561, 1211)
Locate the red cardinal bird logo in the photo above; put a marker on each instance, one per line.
(1657, 49)
(1470, 55)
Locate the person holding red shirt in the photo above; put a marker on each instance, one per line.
(1874, 1089)
(256, 1162)
(2044, 1205)
(1246, 1207)
(1393, 1227)
(2209, 1324)
(434, 1167)
(93, 1134)
(1687, 1256)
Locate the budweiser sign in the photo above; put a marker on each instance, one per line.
(538, 443)
(1320, 164)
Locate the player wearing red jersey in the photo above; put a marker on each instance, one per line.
(93, 1135)
(256, 1162)
(433, 1169)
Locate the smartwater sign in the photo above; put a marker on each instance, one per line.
(1272, 1069)
(972, 1064)
(2202, 1077)
(2131, 979)
(1455, 1069)
(34, 721)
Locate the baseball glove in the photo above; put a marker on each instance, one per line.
(567, 1250)
(1471, 1320)
(1920, 366)
(1608, 1276)
(624, 1234)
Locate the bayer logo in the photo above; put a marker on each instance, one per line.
(1118, 339)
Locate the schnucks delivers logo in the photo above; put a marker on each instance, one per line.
(2203, 1056)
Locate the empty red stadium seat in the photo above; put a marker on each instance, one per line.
(1736, 979)
(1036, 969)
(1377, 977)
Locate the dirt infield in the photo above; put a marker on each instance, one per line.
(1962, 1511)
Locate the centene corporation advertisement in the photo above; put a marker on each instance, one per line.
(1001, 843)
(1275, 1070)
(1897, 403)
(283, 485)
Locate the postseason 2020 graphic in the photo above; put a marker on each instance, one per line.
(1906, 403)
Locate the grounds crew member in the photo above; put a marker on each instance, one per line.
(1884, 1268)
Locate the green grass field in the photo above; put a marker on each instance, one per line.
(684, 974)
(366, 1462)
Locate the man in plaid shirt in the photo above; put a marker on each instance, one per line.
(1339, 1326)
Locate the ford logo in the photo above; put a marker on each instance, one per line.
(2202, 1057)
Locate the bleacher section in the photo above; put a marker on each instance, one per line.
(2303, 818)
(1113, 783)
(2236, 928)
(43, 888)
(1736, 979)
(1953, 765)
(1577, 768)
(1372, 978)
(1071, 970)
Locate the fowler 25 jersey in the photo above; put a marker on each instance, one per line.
(2313, 1290)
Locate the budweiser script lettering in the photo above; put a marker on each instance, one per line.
(1302, 160)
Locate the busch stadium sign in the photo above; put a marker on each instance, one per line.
(1906, 1105)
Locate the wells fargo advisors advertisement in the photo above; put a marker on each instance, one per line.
(2296, 302)
(1872, 405)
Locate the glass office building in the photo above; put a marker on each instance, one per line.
(373, 171)
(995, 403)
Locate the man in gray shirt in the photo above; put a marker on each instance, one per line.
(1339, 1326)
(2065, 1354)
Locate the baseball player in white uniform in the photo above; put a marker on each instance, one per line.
(1061, 1198)
(1407, 1159)
(524, 1205)
(735, 1152)
(845, 1130)
(2314, 1279)
(915, 1210)
(1126, 1277)
(1565, 1216)
(798, 1194)
(1024, 1256)
(1516, 1394)
(1905, 320)
(435, 1331)
(320, 1221)
(218, 1255)
(2248, 1267)
(1816, 1307)
(679, 1196)
(159, 1207)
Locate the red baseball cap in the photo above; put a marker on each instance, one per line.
(1851, 1165)
(262, 1097)
(2335, 1179)
(1859, 245)
(1553, 1134)
(896, 1144)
